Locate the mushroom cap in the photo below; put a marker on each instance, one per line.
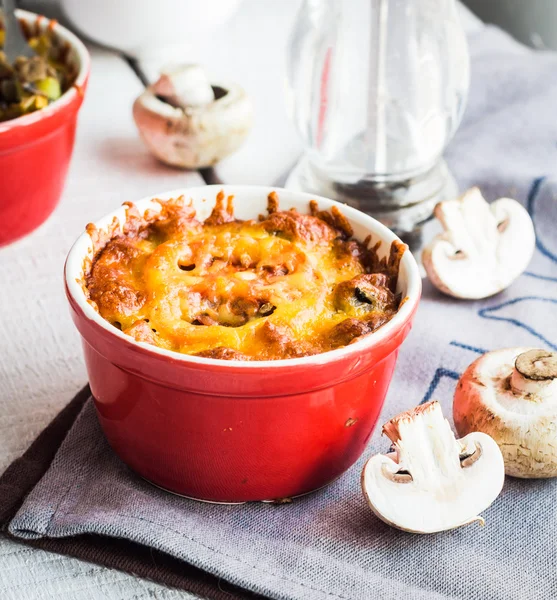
(517, 410)
(432, 482)
(484, 247)
(196, 136)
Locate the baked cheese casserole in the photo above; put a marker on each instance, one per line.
(286, 285)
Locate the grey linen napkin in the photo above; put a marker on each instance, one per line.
(328, 545)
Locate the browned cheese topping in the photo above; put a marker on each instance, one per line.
(284, 286)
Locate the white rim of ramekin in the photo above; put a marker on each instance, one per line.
(68, 95)
(408, 268)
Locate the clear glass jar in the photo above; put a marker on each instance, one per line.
(377, 88)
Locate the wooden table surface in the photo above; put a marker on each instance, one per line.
(41, 366)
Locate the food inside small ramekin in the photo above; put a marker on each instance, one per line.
(286, 285)
(29, 84)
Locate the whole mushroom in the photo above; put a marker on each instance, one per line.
(484, 247)
(188, 122)
(511, 395)
(432, 482)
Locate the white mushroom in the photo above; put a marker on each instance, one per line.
(484, 247)
(511, 395)
(187, 122)
(432, 482)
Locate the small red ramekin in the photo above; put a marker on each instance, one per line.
(233, 431)
(35, 149)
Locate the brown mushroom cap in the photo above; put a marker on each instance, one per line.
(511, 394)
(197, 136)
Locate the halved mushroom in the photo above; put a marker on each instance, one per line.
(432, 482)
(511, 395)
(187, 122)
(484, 247)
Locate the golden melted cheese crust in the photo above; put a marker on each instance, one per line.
(287, 285)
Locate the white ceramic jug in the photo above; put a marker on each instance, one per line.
(148, 29)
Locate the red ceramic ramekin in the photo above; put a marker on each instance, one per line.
(35, 149)
(232, 431)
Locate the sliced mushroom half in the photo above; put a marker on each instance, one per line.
(511, 395)
(432, 481)
(185, 121)
(484, 247)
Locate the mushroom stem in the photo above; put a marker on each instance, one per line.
(535, 374)
(185, 85)
(425, 445)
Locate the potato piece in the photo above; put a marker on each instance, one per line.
(50, 87)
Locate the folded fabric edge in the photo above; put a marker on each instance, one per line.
(25, 472)
(142, 561)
